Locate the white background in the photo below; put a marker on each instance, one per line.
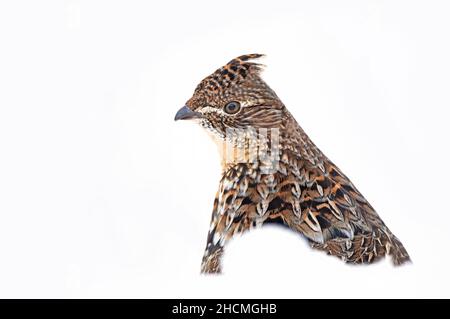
(102, 194)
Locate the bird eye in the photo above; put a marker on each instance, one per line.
(232, 107)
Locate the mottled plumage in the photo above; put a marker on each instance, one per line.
(296, 185)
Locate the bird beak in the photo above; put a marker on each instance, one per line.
(185, 113)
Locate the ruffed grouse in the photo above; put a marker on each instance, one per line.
(272, 172)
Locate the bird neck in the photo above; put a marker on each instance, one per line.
(264, 148)
(297, 144)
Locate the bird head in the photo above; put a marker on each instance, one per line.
(234, 97)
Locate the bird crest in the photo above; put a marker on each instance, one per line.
(234, 72)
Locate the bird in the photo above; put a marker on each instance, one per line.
(272, 173)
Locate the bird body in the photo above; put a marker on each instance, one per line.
(273, 173)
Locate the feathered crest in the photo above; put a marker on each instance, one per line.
(232, 73)
(247, 58)
(246, 63)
